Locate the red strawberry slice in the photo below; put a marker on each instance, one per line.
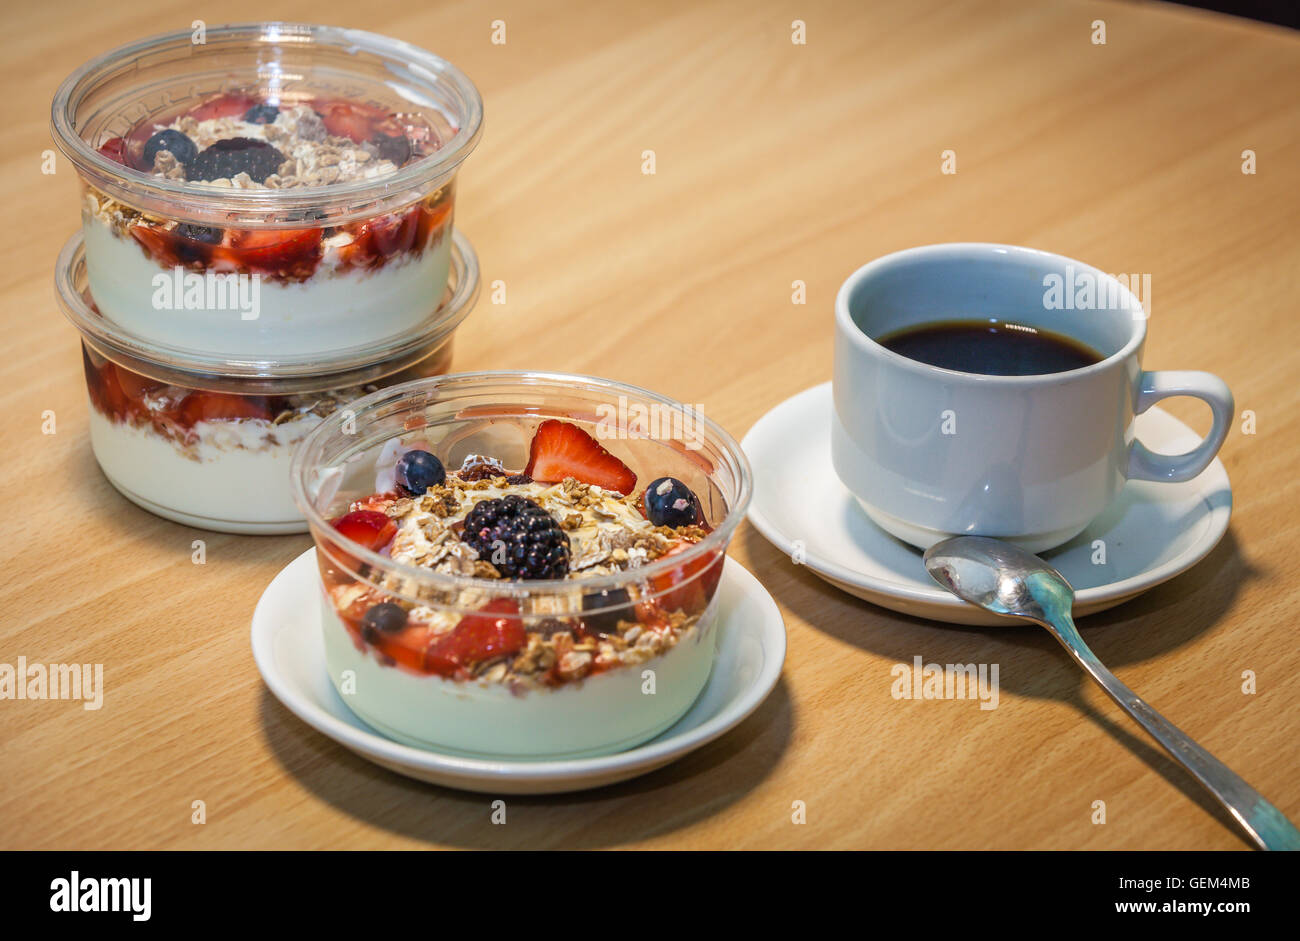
(361, 251)
(561, 449)
(223, 106)
(218, 406)
(115, 149)
(431, 219)
(135, 385)
(394, 234)
(495, 630)
(275, 251)
(347, 119)
(408, 646)
(688, 587)
(370, 528)
(405, 646)
(367, 527)
(106, 391)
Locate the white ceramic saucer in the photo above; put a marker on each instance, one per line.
(291, 657)
(1151, 533)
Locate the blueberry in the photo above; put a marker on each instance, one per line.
(261, 114)
(386, 618)
(669, 502)
(199, 233)
(417, 471)
(181, 147)
(617, 605)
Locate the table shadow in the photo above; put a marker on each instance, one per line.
(1181, 609)
(589, 819)
(133, 525)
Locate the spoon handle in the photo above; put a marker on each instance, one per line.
(1266, 825)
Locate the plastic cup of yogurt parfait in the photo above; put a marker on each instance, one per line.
(207, 440)
(520, 565)
(278, 188)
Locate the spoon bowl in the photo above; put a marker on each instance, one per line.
(999, 577)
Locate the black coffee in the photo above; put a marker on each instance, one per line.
(990, 347)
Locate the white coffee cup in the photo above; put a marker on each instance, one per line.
(931, 452)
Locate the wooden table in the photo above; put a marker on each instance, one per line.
(775, 163)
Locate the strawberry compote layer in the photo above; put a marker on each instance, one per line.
(218, 460)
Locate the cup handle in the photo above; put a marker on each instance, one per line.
(1145, 464)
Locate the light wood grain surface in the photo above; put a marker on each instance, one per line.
(776, 162)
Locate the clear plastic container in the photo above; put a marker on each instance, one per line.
(277, 188)
(464, 656)
(207, 440)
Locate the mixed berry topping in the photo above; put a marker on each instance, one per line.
(483, 522)
(236, 140)
(669, 502)
(518, 537)
(310, 127)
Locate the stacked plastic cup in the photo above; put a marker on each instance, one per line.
(267, 233)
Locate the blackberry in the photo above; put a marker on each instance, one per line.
(180, 146)
(226, 158)
(519, 537)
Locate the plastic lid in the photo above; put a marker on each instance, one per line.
(125, 93)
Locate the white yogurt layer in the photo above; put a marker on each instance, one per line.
(599, 715)
(239, 481)
(332, 310)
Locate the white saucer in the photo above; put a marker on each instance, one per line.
(1152, 532)
(291, 657)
